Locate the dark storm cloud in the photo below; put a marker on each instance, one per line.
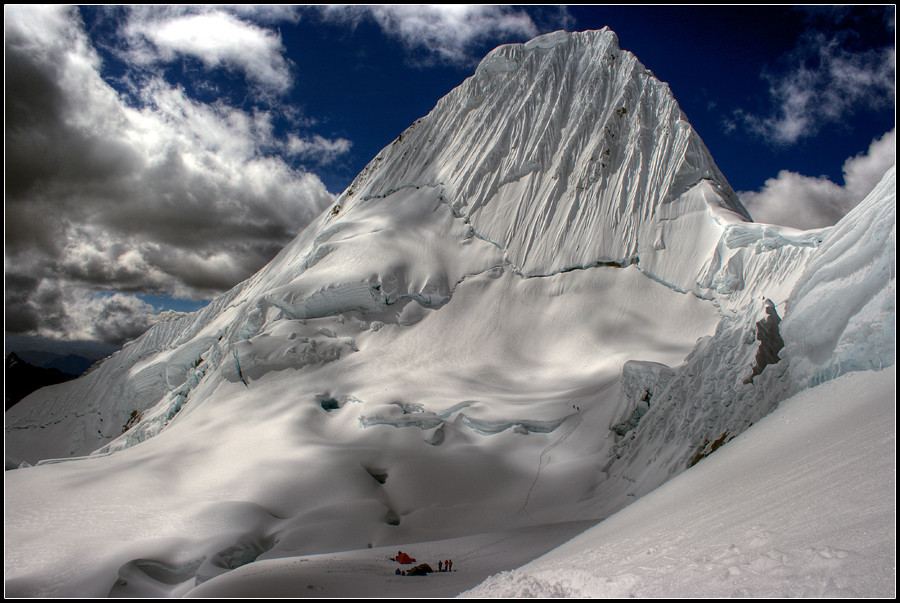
(41, 144)
(172, 197)
(119, 319)
(20, 315)
(64, 311)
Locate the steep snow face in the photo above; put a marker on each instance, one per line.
(564, 151)
(559, 154)
(812, 514)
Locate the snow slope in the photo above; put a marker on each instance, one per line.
(813, 514)
(541, 302)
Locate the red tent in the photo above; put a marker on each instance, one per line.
(404, 558)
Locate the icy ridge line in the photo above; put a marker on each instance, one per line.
(514, 161)
(612, 263)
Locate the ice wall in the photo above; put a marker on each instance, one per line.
(841, 315)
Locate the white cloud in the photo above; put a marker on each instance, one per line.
(171, 197)
(804, 202)
(863, 172)
(821, 82)
(317, 148)
(215, 36)
(447, 31)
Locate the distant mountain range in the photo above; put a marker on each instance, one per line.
(35, 362)
(71, 364)
(23, 378)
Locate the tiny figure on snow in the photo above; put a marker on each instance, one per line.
(440, 566)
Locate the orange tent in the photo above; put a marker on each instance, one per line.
(404, 558)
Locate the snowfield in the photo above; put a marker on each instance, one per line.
(542, 306)
(813, 515)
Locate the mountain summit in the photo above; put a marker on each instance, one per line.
(540, 302)
(564, 151)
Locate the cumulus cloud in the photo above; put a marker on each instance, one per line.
(169, 196)
(62, 311)
(79, 314)
(108, 318)
(217, 37)
(445, 31)
(804, 202)
(826, 77)
(317, 148)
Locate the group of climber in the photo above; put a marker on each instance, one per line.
(422, 569)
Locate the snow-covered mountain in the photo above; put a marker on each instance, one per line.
(539, 303)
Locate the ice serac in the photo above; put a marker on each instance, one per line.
(841, 315)
(836, 314)
(540, 302)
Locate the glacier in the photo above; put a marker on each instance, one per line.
(537, 305)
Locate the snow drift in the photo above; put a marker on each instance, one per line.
(540, 302)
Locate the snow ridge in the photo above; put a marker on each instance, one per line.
(576, 141)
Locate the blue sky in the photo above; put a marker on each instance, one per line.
(158, 155)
